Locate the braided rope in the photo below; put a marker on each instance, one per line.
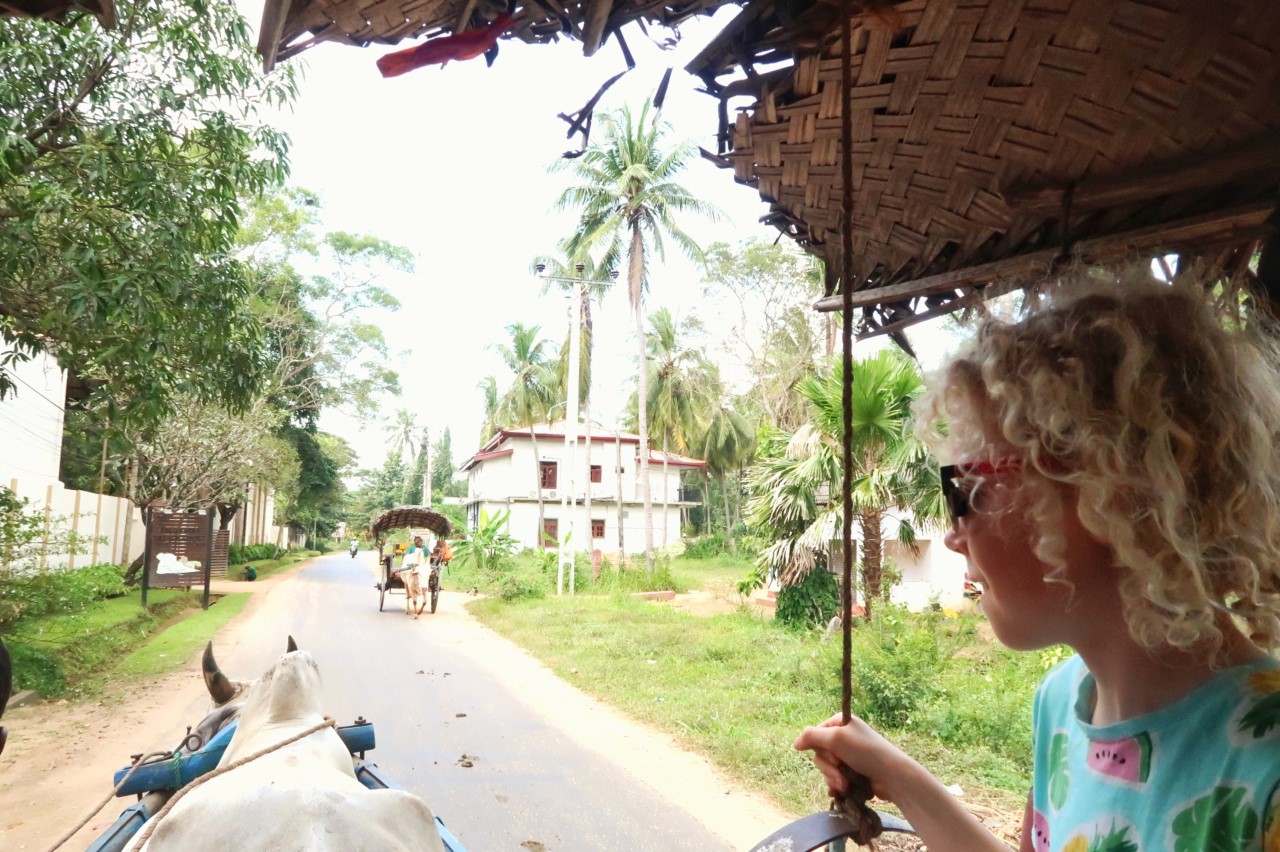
(328, 722)
(149, 758)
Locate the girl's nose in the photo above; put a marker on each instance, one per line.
(954, 540)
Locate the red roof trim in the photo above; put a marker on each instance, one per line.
(483, 456)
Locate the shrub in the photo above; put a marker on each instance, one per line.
(239, 554)
(61, 592)
(511, 587)
(705, 547)
(811, 602)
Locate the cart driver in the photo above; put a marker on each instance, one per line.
(414, 555)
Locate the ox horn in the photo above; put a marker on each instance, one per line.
(291, 647)
(220, 689)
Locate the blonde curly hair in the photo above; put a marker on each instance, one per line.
(1160, 402)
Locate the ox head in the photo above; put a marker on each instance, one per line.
(6, 687)
(287, 692)
(227, 696)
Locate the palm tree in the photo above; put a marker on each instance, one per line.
(728, 444)
(488, 428)
(402, 432)
(526, 401)
(796, 489)
(678, 381)
(629, 200)
(565, 273)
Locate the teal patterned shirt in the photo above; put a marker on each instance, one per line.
(1200, 774)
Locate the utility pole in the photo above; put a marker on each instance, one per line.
(569, 469)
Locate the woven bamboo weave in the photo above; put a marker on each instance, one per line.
(958, 105)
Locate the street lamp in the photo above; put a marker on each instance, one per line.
(568, 489)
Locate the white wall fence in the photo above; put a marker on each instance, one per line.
(114, 526)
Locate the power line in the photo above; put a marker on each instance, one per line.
(34, 390)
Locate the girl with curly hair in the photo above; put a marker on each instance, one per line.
(1117, 490)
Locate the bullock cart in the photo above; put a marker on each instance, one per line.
(161, 779)
(405, 517)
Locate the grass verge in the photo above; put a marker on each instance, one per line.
(738, 689)
(62, 655)
(180, 641)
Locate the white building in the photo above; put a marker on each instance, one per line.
(31, 422)
(505, 476)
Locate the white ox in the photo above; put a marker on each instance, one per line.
(302, 796)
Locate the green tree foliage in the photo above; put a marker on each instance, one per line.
(380, 489)
(323, 459)
(325, 345)
(764, 290)
(629, 200)
(442, 469)
(796, 489)
(487, 545)
(124, 154)
(529, 397)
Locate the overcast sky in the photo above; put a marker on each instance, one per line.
(452, 163)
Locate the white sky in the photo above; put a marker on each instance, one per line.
(452, 163)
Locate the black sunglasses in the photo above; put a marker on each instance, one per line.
(957, 496)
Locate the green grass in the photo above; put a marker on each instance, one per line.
(720, 571)
(71, 654)
(180, 641)
(738, 689)
(534, 570)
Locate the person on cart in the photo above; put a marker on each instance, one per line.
(441, 554)
(414, 557)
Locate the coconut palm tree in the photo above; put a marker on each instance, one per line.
(488, 427)
(728, 444)
(402, 433)
(527, 399)
(795, 491)
(679, 378)
(629, 201)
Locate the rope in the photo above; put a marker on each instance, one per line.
(143, 760)
(328, 722)
(853, 803)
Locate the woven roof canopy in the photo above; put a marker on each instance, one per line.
(57, 10)
(404, 517)
(994, 137)
(991, 138)
(291, 26)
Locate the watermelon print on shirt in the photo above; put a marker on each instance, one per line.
(1200, 774)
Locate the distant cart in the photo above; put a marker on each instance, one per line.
(406, 517)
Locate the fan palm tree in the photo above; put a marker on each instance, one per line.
(527, 399)
(796, 490)
(679, 378)
(402, 432)
(629, 201)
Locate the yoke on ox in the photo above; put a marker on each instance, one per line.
(286, 778)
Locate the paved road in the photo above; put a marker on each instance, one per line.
(531, 787)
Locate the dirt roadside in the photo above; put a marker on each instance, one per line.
(61, 755)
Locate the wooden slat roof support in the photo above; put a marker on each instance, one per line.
(1236, 224)
(1195, 172)
(593, 31)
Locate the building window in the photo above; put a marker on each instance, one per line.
(597, 529)
(550, 532)
(549, 471)
(596, 475)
